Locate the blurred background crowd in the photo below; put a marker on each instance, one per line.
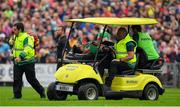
(43, 17)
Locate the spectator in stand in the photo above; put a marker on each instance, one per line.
(178, 55)
(4, 50)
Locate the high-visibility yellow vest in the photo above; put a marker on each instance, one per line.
(121, 50)
(145, 42)
(20, 48)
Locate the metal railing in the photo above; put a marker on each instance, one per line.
(171, 75)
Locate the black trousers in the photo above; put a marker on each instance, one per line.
(105, 64)
(116, 68)
(29, 70)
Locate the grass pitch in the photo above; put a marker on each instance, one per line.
(171, 97)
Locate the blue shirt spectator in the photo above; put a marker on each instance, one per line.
(4, 48)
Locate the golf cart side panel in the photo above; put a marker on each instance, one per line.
(71, 73)
(133, 82)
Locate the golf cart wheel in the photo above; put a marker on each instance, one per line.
(88, 91)
(150, 92)
(53, 94)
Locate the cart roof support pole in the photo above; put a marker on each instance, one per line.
(64, 49)
(99, 46)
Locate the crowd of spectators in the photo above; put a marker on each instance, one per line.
(43, 17)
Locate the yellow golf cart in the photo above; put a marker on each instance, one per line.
(84, 80)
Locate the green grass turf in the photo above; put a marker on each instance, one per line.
(171, 97)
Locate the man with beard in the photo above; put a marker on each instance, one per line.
(61, 41)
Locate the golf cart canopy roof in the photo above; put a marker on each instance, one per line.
(116, 21)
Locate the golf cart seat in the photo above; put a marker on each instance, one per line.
(148, 71)
(144, 63)
(84, 57)
(78, 56)
(146, 66)
(153, 67)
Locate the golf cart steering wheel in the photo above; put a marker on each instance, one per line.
(110, 49)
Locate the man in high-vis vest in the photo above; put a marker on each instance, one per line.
(146, 47)
(125, 58)
(24, 61)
